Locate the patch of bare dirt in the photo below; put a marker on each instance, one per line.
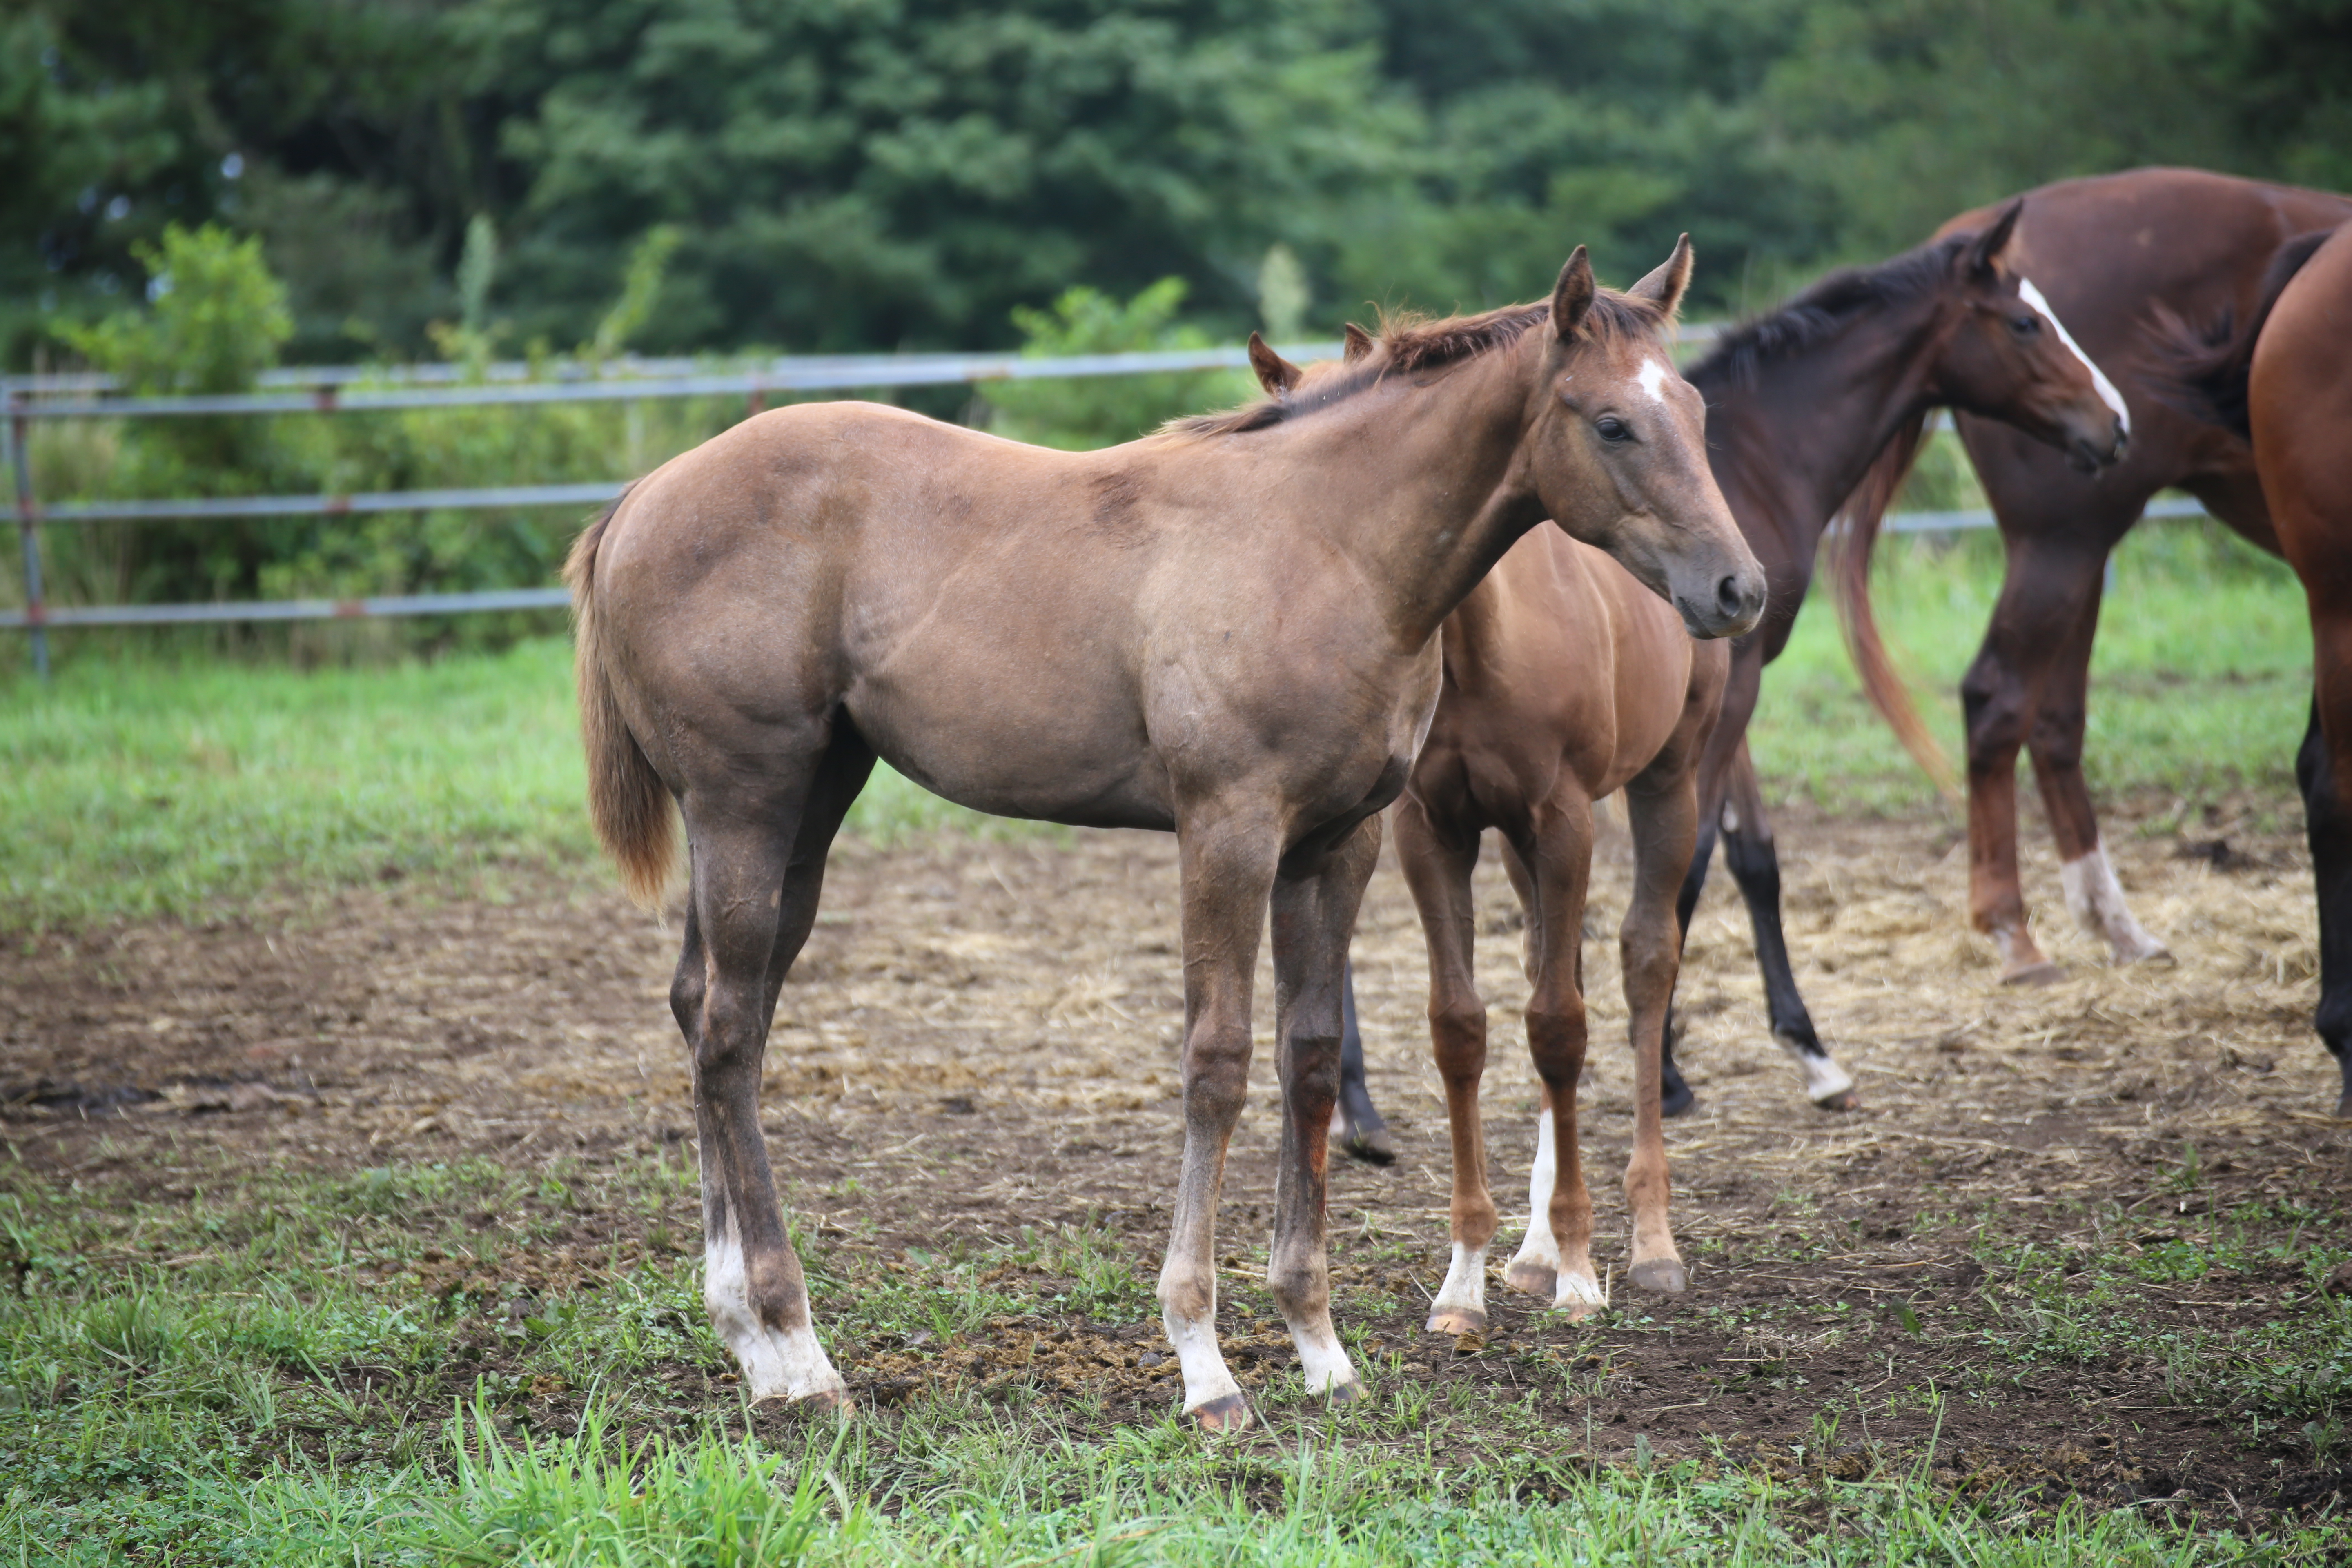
(985, 1035)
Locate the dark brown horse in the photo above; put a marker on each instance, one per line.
(1227, 631)
(2107, 252)
(2282, 381)
(1822, 397)
(1566, 680)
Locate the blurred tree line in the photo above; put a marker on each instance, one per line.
(871, 174)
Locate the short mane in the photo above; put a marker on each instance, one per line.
(1407, 345)
(1826, 308)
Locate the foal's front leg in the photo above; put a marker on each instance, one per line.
(1228, 866)
(1314, 913)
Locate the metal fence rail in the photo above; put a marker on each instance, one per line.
(337, 389)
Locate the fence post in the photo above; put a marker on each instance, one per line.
(29, 534)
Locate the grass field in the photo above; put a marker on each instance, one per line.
(297, 1365)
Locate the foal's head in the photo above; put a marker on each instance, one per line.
(1614, 447)
(2008, 357)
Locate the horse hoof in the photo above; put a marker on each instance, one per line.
(2043, 974)
(1227, 1413)
(1457, 1321)
(1676, 1100)
(1347, 1393)
(1373, 1147)
(2344, 1107)
(824, 1401)
(1843, 1099)
(1532, 1278)
(1662, 1275)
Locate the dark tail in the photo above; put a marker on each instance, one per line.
(2202, 371)
(625, 797)
(1850, 557)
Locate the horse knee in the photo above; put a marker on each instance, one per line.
(1556, 1040)
(1314, 1077)
(1216, 1076)
(1457, 1029)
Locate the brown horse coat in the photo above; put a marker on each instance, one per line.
(1227, 630)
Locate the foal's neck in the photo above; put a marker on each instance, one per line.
(1428, 489)
(1804, 426)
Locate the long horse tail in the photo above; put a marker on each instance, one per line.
(1850, 558)
(2203, 370)
(625, 796)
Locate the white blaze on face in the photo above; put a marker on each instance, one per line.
(2107, 393)
(1653, 379)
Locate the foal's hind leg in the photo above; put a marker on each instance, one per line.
(1313, 915)
(1755, 864)
(758, 868)
(1557, 1257)
(1665, 825)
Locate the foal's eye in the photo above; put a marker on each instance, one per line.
(2025, 326)
(1612, 428)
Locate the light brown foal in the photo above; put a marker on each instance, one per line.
(1566, 680)
(1227, 629)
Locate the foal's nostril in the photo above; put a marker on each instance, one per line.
(1734, 597)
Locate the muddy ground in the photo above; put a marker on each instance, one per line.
(983, 1034)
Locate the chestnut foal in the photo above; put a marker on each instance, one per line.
(1566, 680)
(1228, 629)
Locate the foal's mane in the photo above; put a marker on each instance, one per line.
(1825, 308)
(1408, 344)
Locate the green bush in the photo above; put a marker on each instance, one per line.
(1101, 411)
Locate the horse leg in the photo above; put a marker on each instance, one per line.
(2041, 586)
(1227, 865)
(1557, 1257)
(2055, 743)
(1362, 1132)
(1754, 865)
(1665, 814)
(1727, 746)
(758, 867)
(1314, 911)
(2324, 769)
(1437, 871)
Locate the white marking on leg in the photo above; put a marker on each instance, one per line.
(2097, 900)
(2107, 393)
(1325, 1365)
(1825, 1079)
(2006, 940)
(1579, 1292)
(786, 1364)
(1465, 1283)
(1541, 1248)
(1652, 377)
(1206, 1378)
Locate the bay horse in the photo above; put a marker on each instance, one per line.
(1565, 681)
(1808, 404)
(2283, 382)
(1226, 629)
(2106, 251)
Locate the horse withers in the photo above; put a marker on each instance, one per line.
(1227, 630)
(2282, 381)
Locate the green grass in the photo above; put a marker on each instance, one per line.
(356, 1370)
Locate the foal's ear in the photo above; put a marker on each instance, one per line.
(1665, 286)
(1358, 341)
(1981, 259)
(1572, 295)
(1275, 373)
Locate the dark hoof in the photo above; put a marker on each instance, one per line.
(2043, 974)
(1230, 1414)
(2344, 1107)
(1373, 1147)
(1677, 1099)
(1532, 1279)
(1843, 1099)
(1457, 1321)
(1662, 1275)
(824, 1401)
(1347, 1393)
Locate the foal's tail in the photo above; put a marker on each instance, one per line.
(2203, 370)
(1850, 555)
(625, 797)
